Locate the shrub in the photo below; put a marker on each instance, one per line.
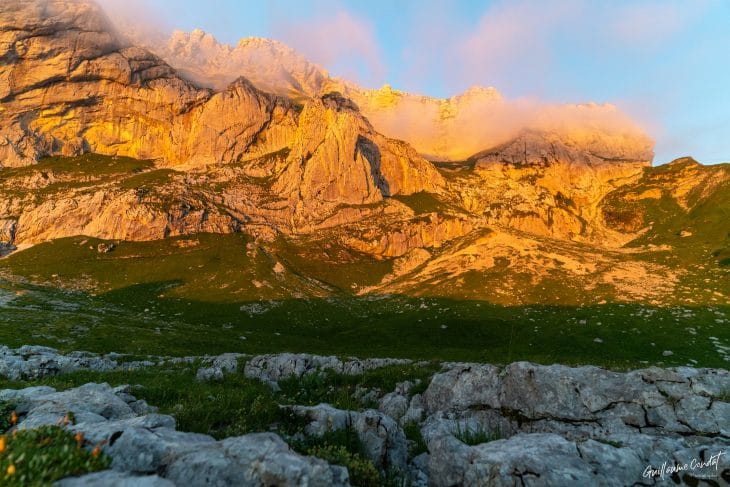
(44, 455)
(6, 416)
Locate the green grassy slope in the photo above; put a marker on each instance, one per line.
(174, 298)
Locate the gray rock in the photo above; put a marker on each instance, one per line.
(226, 363)
(34, 362)
(253, 460)
(108, 478)
(394, 405)
(463, 386)
(275, 367)
(527, 459)
(108, 431)
(384, 441)
(208, 374)
(147, 450)
(88, 403)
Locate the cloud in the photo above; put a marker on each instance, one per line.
(511, 43)
(138, 19)
(480, 120)
(653, 22)
(339, 41)
(520, 45)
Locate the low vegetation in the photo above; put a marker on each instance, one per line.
(234, 406)
(41, 456)
(475, 436)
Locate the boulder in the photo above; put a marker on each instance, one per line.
(383, 440)
(107, 478)
(253, 460)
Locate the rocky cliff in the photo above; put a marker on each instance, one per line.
(453, 128)
(70, 86)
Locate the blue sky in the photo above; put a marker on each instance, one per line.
(665, 62)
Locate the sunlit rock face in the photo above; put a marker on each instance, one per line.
(450, 129)
(70, 86)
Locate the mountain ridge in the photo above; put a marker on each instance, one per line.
(441, 129)
(140, 154)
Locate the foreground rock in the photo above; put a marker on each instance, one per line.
(383, 441)
(523, 424)
(577, 426)
(271, 368)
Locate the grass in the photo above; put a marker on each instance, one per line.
(471, 436)
(417, 444)
(237, 405)
(151, 318)
(60, 174)
(361, 470)
(422, 202)
(340, 390)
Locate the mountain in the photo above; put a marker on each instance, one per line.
(100, 139)
(451, 129)
(198, 56)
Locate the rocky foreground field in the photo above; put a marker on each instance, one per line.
(390, 421)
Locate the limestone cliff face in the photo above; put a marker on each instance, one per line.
(69, 85)
(546, 185)
(449, 129)
(337, 158)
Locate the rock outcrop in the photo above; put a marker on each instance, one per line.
(34, 362)
(271, 368)
(383, 440)
(576, 426)
(141, 444)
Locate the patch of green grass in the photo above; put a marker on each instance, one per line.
(417, 444)
(62, 174)
(477, 436)
(339, 390)
(422, 202)
(89, 165)
(41, 456)
(361, 470)
(148, 180)
(615, 444)
(330, 263)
